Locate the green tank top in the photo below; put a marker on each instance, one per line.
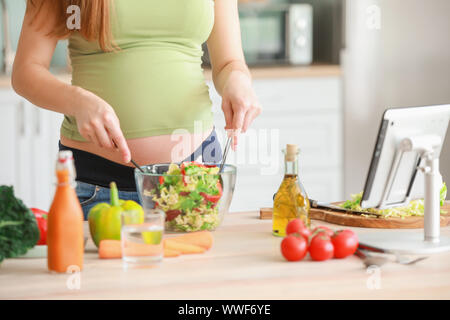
(155, 82)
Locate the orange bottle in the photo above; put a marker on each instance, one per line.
(65, 221)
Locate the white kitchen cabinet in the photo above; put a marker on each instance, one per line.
(303, 111)
(9, 132)
(29, 143)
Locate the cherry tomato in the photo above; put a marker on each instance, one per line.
(322, 229)
(213, 198)
(41, 219)
(172, 214)
(209, 165)
(297, 226)
(294, 248)
(345, 243)
(321, 248)
(183, 168)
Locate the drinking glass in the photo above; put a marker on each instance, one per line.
(142, 238)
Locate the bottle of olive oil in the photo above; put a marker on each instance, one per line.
(291, 200)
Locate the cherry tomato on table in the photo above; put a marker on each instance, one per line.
(294, 248)
(321, 248)
(322, 229)
(297, 226)
(345, 243)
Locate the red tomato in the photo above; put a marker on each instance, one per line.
(297, 226)
(213, 198)
(294, 248)
(209, 165)
(345, 243)
(323, 229)
(161, 180)
(321, 248)
(41, 219)
(172, 214)
(182, 168)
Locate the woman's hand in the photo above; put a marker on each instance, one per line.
(239, 103)
(230, 73)
(31, 78)
(97, 122)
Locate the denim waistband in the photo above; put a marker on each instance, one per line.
(96, 170)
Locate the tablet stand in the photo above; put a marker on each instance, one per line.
(411, 242)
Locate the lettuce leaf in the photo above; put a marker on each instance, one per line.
(414, 208)
(443, 193)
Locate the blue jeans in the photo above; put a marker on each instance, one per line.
(89, 195)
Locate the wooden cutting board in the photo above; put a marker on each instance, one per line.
(371, 222)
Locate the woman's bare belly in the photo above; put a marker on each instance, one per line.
(148, 150)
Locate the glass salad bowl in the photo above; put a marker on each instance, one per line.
(194, 196)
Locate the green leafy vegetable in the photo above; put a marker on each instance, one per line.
(443, 193)
(414, 208)
(18, 228)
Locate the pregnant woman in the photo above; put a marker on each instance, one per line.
(138, 88)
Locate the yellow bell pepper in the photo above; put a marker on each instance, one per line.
(105, 220)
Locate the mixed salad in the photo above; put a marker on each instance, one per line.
(189, 195)
(414, 208)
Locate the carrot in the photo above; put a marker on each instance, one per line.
(110, 249)
(184, 248)
(133, 249)
(169, 253)
(202, 239)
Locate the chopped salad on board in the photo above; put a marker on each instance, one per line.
(414, 208)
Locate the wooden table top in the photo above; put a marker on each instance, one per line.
(244, 263)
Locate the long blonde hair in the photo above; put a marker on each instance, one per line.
(95, 19)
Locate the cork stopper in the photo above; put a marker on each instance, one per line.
(291, 152)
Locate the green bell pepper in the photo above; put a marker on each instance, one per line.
(105, 219)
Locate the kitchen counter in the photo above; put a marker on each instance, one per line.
(287, 71)
(244, 263)
(257, 73)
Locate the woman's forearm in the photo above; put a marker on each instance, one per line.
(221, 75)
(35, 83)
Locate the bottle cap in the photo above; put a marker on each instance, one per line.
(65, 169)
(291, 152)
(64, 155)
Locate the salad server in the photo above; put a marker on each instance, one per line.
(225, 153)
(366, 253)
(132, 161)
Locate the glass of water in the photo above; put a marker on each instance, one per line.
(142, 238)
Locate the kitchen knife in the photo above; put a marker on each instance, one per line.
(326, 206)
